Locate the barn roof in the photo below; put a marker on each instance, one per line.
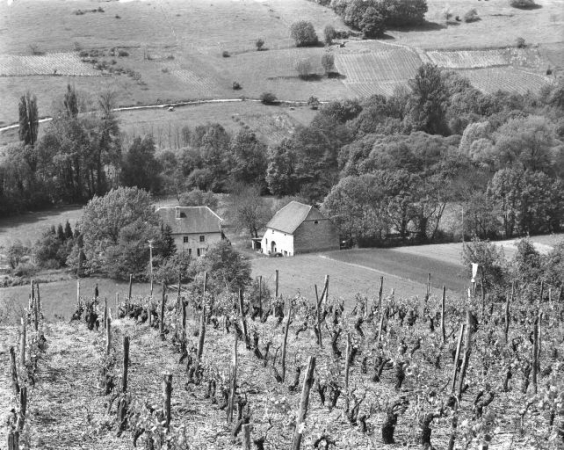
(191, 219)
(291, 216)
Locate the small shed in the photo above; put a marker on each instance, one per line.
(299, 228)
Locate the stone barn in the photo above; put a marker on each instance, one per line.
(299, 228)
(194, 228)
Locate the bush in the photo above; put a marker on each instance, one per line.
(303, 66)
(313, 102)
(259, 43)
(225, 54)
(123, 53)
(268, 98)
(25, 270)
(303, 34)
(236, 86)
(523, 4)
(520, 42)
(372, 23)
(329, 34)
(471, 16)
(328, 63)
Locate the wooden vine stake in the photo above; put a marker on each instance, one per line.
(247, 436)
(105, 312)
(201, 338)
(125, 363)
(276, 284)
(14, 440)
(380, 294)
(443, 330)
(536, 351)
(260, 296)
(347, 370)
(233, 387)
(285, 344)
(14, 370)
(167, 394)
(23, 343)
(108, 335)
(243, 320)
(507, 317)
(78, 294)
(456, 358)
(37, 303)
(162, 318)
(304, 402)
(130, 287)
(23, 408)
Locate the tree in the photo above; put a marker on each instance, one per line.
(490, 258)
(304, 68)
(328, 63)
(527, 264)
(249, 159)
(281, 174)
(196, 197)
(226, 268)
(109, 145)
(248, 210)
(268, 98)
(404, 13)
(115, 229)
(70, 102)
(372, 23)
(29, 119)
(303, 34)
(15, 253)
(259, 44)
(428, 103)
(140, 168)
(329, 34)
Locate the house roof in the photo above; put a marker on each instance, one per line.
(291, 216)
(191, 219)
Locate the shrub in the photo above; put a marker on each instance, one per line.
(35, 50)
(268, 98)
(522, 4)
(303, 66)
(303, 34)
(123, 53)
(520, 42)
(225, 54)
(83, 54)
(313, 102)
(236, 86)
(118, 17)
(328, 63)
(25, 270)
(329, 34)
(471, 16)
(259, 43)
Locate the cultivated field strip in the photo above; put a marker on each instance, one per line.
(68, 64)
(468, 59)
(366, 89)
(493, 79)
(8, 338)
(396, 64)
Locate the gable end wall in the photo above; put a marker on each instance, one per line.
(312, 237)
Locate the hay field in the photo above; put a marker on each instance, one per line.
(175, 46)
(500, 25)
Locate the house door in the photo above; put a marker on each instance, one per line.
(273, 247)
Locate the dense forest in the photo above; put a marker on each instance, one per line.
(383, 167)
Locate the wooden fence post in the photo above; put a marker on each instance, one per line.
(125, 363)
(167, 393)
(304, 402)
(23, 342)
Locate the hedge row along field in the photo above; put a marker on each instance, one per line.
(267, 372)
(64, 64)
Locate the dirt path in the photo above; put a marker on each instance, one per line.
(66, 409)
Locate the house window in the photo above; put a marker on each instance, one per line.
(202, 239)
(190, 251)
(316, 222)
(185, 239)
(201, 251)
